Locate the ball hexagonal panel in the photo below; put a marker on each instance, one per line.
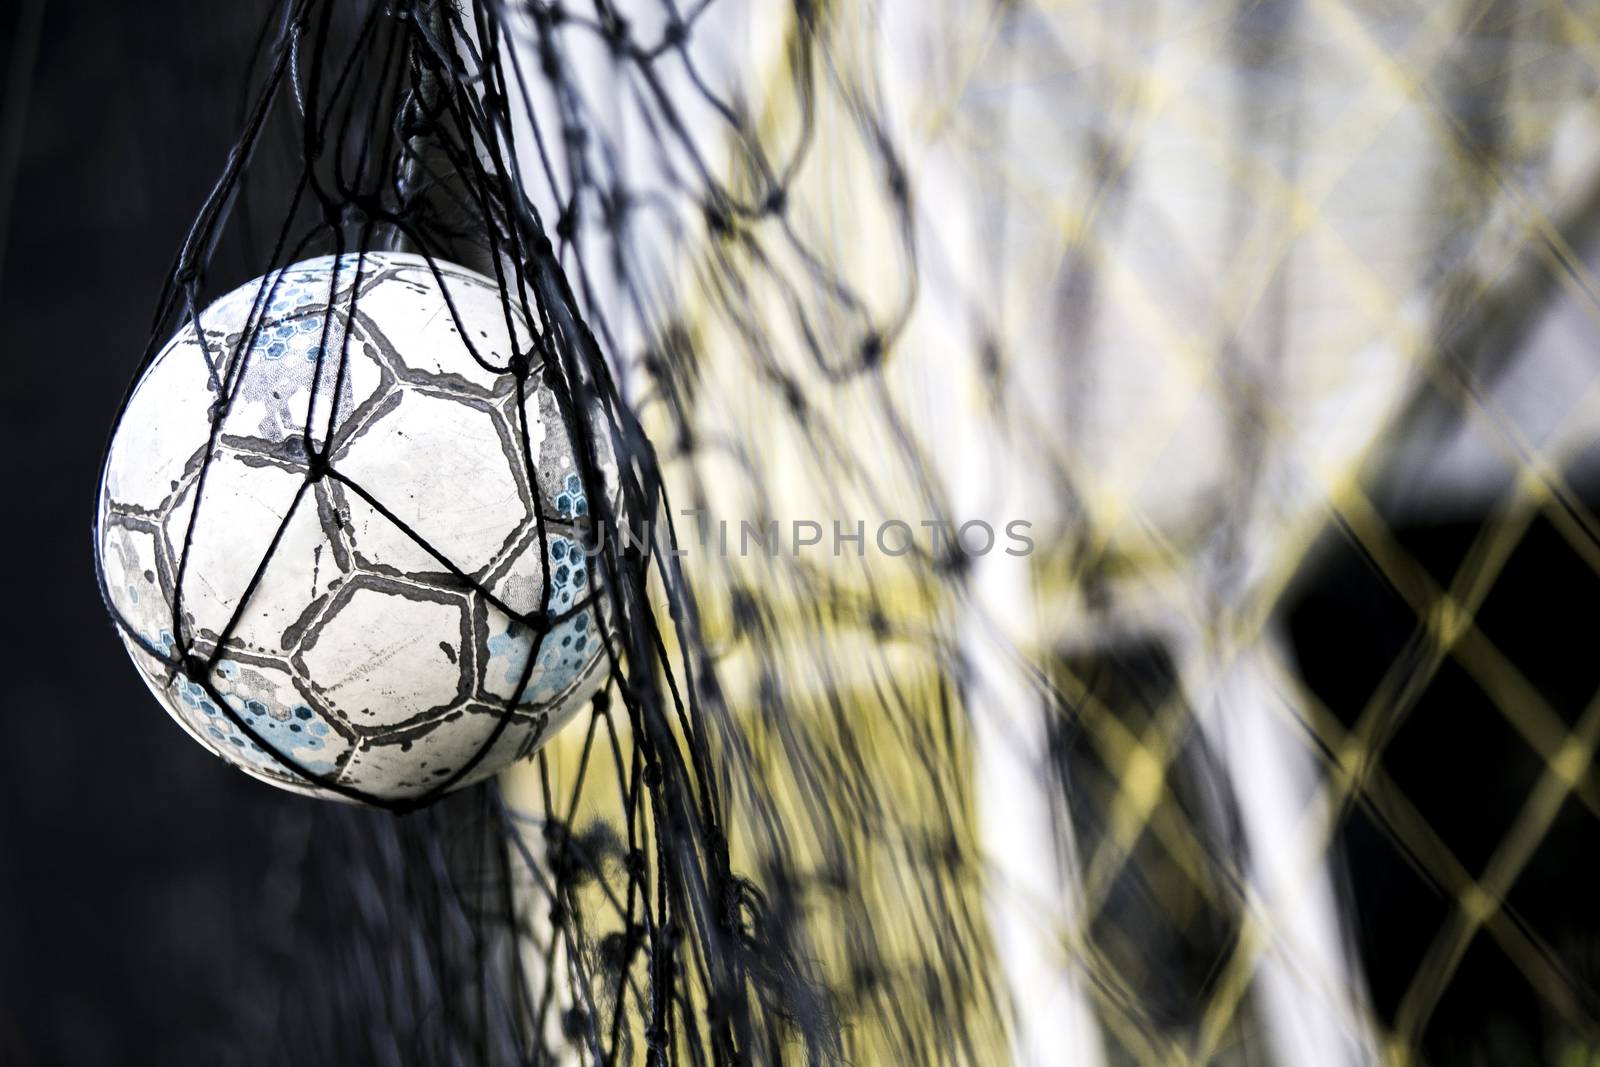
(311, 624)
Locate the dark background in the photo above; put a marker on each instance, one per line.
(141, 897)
(134, 868)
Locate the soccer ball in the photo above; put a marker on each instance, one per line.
(324, 602)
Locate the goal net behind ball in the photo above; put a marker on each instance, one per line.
(1219, 301)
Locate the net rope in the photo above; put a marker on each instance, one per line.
(771, 839)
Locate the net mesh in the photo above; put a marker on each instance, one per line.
(1217, 299)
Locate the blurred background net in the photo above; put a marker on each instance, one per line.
(1276, 322)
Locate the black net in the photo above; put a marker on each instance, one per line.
(910, 798)
(603, 912)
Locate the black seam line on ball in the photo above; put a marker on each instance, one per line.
(314, 141)
(331, 782)
(319, 461)
(153, 350)
(200, 671)
(218, 415)
(315, 456)
(237, 381)
(421, 542)
(502, 721)
(260, 572)
(539, 631)
(238, 363)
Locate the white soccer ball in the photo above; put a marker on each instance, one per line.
(362, 665)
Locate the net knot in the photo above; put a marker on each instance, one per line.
(566, 225)
(616, 31)
(793, 396)
(872, 349)
(574, 1024)
(637, 863)
(718, 220)
(317, 466)
(195, 668)
(549, 62)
